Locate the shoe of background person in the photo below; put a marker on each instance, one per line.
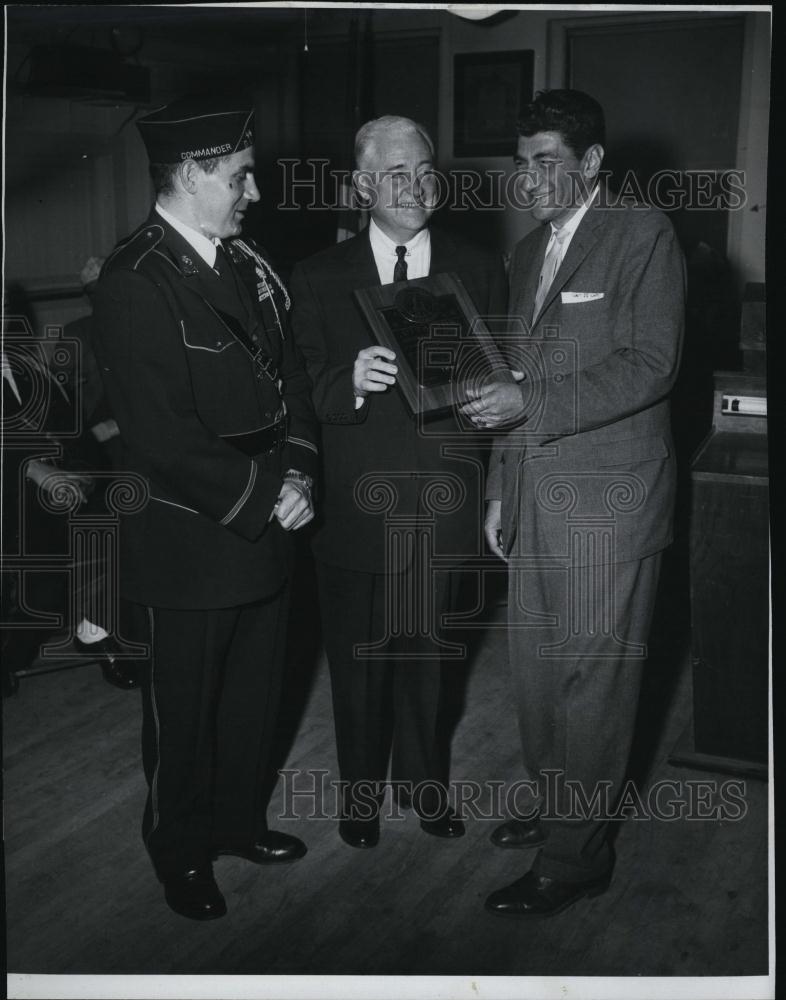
(123, 674)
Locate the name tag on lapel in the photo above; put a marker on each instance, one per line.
(570, 297)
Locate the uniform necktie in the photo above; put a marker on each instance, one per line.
(548, 271)
(222, 265)
(230, 279)
(400, 271)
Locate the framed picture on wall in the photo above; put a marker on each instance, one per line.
(489, 89)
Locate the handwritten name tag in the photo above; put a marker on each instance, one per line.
(569, 297)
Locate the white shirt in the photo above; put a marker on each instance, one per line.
(568, 229)
(205, 247)
(418, 256)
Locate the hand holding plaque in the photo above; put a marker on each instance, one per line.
(443, 350)
(374, 370)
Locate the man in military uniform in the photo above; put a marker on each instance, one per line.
(215, 417)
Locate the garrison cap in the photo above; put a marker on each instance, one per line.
(194, 128)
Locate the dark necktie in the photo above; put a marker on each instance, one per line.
(400, 272)
(230, 279)
(222, 266)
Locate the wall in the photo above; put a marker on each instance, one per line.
(77, 179)
(531, 30)
(527, 30)
(747, 228)
(76, 171)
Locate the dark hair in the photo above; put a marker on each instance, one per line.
(163, 174)
(575, 115)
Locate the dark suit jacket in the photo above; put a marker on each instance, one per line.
(382, 436)
(179, 382)
(598, 401)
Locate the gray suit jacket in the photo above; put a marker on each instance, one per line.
(600, 359)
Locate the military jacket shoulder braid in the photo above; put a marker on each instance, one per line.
(174, 342)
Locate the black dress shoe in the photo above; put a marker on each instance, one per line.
(539, 896)
(520, 833)
(117, 673)
(448, 826)
(195, 894)
(359, 832)
(275, 848)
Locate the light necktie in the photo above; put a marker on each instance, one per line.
(400, 271)
(548, 271)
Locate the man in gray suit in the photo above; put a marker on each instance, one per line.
(580, 490)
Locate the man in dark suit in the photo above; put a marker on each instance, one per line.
(580, 489)
(216, 421)
(375, 450)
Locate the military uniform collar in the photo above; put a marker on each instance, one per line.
(205, 247)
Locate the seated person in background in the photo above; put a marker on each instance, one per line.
(100, 439)
(37, 465)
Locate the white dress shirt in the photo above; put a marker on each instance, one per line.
(418, 258)
(418, 255)
(568, 229)
(204, 246)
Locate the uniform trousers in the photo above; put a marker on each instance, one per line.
(367, 692)
(209, 709)
(577, 699)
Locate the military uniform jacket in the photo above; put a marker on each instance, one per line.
(181, 383)
(601, 355)
(381, 439)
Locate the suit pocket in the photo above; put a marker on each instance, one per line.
(207, 338)
(629, 451)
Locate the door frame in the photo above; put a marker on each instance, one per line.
(745, 236)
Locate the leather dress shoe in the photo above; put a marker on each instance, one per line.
(448, 826)
(520, 833)
(120, 674)
(195, 894)
(275, 848)
(538, 896)
(359, 832)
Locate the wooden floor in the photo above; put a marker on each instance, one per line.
(689, 897)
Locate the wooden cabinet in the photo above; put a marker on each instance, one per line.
(729, 572)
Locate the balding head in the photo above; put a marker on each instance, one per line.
(376, 131)
(395, 175)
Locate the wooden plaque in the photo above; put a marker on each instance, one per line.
(441, 343)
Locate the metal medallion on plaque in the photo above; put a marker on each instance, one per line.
(441, 343)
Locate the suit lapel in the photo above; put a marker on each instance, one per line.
(359, 269)
(525, 279)
(584, 239)
(443, 255)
